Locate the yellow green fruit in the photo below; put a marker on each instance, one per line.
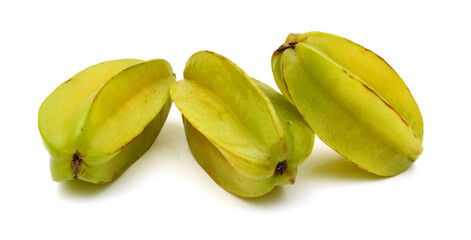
(243, 133)
(352, 99)
(99, 122)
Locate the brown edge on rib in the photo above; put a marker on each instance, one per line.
(387, 104)
(284, 79)
(382, 59)
(132, 140)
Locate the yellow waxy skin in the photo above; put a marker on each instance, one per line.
(99, 122)
(352, 99)
(243, 133)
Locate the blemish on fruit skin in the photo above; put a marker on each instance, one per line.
(417, 152)
(116, 175)
(291, 181)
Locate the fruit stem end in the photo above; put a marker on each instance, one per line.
(76, 160)
(285, 46)
(281, 168)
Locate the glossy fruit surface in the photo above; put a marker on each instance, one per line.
(96, 124)
(243, 133)
(352, 99)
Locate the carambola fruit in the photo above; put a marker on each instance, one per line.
(99, 122)
(243, 133)
(352, 99)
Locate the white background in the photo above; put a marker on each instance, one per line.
(165, 194)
